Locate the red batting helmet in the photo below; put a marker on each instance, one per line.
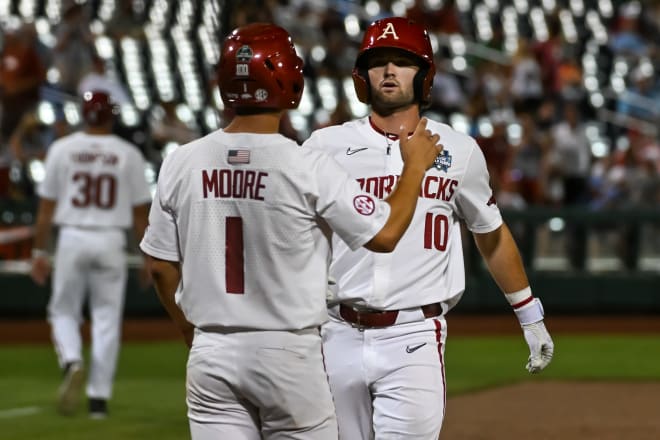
(259, 68)
(398, 33)
(98, 108)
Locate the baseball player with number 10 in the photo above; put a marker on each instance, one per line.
(239, 239)
(384, 344)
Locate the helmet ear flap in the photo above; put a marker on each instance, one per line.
(362, 85)
(422, 84)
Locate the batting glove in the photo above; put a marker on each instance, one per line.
(529, 311)
(541, 347)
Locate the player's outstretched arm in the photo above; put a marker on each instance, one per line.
(502, 257)
(166, 276)
(418, 152)
(40, 270)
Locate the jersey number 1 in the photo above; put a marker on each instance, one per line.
(234, 273)
(436, 229)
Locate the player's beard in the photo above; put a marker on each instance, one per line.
(386, 105)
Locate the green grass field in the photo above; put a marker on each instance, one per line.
(148, 401)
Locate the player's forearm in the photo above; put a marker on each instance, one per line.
(166, 277)
(402, 201)
(43, 224)
(502, 258)
(140, 220)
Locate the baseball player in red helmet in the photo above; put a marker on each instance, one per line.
(94, 189)
(239, 239)
(384, 344)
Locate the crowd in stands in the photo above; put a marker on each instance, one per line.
(565, 118)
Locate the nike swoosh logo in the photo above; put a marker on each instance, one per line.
(410, 349)
(350, 150)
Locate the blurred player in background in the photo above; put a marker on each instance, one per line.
(94, 189)
(384, 344)
(239, 235)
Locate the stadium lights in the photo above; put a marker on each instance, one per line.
(27, 9)
(605, 7)
(358, 109)
(352, 25)
(549, 5)
(372, 8)
(463, 5)
(299, 122)
(521, 6)
(327, 92)
(211, 118)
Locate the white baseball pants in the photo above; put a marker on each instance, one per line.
(387, 383)
(89, 263)
(253, 385)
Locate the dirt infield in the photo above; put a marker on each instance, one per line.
(556, 411)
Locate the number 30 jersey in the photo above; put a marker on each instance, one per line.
(95, 180)
(249, 217)
(427, 264)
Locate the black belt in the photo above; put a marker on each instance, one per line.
(381, 318)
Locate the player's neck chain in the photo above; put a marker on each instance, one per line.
(390, 138)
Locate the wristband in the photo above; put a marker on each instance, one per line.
(39, 253)
(530, 313)
(520, 298)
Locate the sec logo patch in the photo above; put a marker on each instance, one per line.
(365, 205)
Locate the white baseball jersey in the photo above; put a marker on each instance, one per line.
(249, 218)
(96, 180)
(427, 264)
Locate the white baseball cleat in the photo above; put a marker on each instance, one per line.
(69, 392)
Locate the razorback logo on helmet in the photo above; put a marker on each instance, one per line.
(365, 205)
(389, 30)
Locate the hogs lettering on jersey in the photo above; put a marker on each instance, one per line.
(93, 156)
(433, 187)
(236, 184)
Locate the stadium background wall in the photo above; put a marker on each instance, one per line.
(628, 290)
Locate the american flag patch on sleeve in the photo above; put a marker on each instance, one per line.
(238, 156)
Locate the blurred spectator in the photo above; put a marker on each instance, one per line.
(548, 54)
(30, 141)
(641, 100)
(126, 21)
(99, 79)
(569, 76)
(526, 85)
(21, 76)
(447, 95)
(444, 18)
(72, 54)
(626, 39)
(531, 161)
(498, 151)
(571, 154)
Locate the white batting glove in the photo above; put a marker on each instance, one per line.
(541, 347)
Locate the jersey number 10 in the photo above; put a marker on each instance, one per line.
(436, 230)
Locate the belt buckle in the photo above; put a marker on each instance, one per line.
(358, 324)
